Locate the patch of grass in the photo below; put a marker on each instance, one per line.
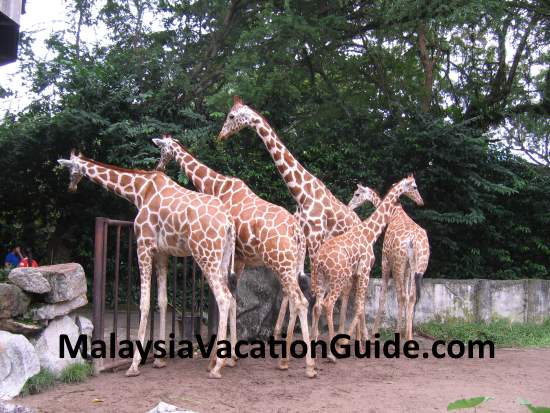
(76, 373)
(41, 381)
(501, 332)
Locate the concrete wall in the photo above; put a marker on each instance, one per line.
(471, 300)
(259, 297)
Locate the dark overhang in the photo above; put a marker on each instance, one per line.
(10, 12)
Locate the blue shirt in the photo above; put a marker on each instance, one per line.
(12, 259)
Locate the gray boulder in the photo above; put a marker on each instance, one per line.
(18, 362)
(66, 281)
(47, 344)
(168, 408)
(15, 408)
(13, 301)
(258, 300)
(50, 311)
(30, 280)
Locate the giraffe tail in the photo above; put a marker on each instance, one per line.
(229, 254)
(418, 277)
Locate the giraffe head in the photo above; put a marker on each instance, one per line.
(168, 147)
(407, 186)
(74, 168)
(238, 117)
(363, 194)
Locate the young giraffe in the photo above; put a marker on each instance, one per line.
(267, 234)
(401, 231)
(351, 254)
(320, 214)
(171, 220)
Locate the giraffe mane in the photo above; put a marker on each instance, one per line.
(116, 168)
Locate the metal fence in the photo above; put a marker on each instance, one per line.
(116, 292)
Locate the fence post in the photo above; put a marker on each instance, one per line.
(99, 280)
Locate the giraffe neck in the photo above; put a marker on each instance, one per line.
(292, 172)
(204, 179)
(381, 216)
(121, 182)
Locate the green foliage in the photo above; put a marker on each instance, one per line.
(38, 383)
(501, 332)
(468, 403)
(4, 275)
(534, 409)
(76, 373)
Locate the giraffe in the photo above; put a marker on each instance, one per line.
(267, 234)
(351, 255)
(171, 220)
(320, 214)
(406, 246)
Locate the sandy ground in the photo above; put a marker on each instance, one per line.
(350, 385)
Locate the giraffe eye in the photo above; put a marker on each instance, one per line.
(231, 116)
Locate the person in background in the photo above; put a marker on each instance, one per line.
(28, 261)
(13, 258)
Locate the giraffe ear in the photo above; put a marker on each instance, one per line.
(65, 163)
(237, 100)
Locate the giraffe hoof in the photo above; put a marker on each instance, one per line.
(311, 373)
(132, 372)
(232, 362)
(214, 375)
(159, 363)
(283, 365)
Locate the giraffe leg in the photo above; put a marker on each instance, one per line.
(145, 258)
(398, 280)
(232, 362)
(162, 269)
(281, 317)
(315, 317)
(283, 361)
(302, 307)
(382, 301)
(223, 299)
(411, 302)
(343, 311)
(360, 290)
(329, 310)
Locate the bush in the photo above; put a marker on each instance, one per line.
(41, 381)
(76, 373)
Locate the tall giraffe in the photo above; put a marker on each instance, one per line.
(267, 234)
(171, 220)
(320, 214)
(351, 254)
(407, 273)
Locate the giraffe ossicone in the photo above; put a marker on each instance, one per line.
(171, 221)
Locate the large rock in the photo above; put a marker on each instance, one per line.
(13, 301)
(18, 362)
(168, 408)
(15, 408)
(30, 279)
(258, 300)
(50, 311)
(66, 281)
(47, 345)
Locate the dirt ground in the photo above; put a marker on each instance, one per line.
(350, 385)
